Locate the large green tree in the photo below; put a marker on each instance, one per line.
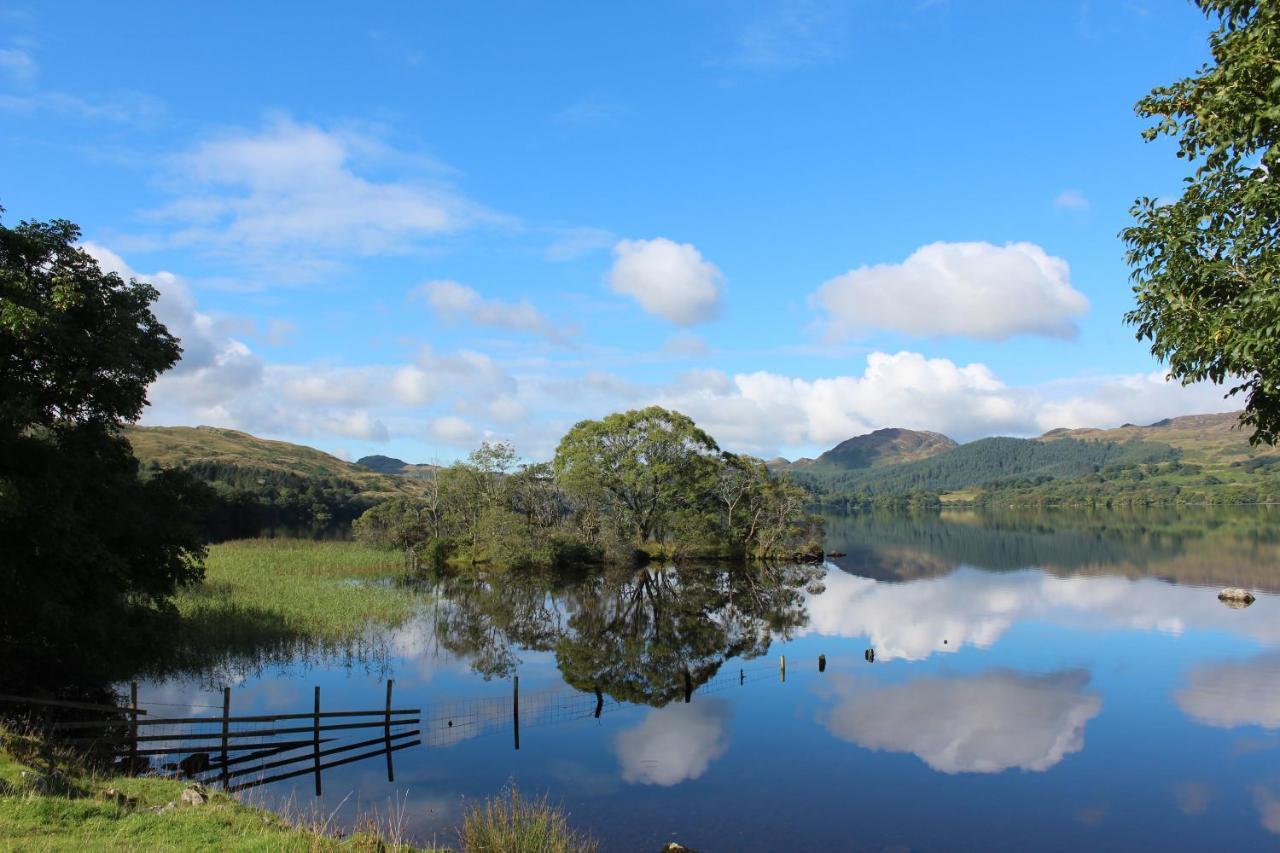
(1205, 265)
(645, 465)
(91, 549)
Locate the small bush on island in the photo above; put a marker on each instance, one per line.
(637, 485)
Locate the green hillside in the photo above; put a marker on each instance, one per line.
(259, 485)
(988, 460)
(883, 448)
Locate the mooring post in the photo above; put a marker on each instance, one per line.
(226, 726)
(688, 687)
(742, 677)
(822, 663)
(133, 727)
(515, 708)
(782, 666)
(391, 774)
(599, 701)
(315, 741)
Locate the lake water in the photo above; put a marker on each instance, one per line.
(1047, 682)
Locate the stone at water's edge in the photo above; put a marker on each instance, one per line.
(1234, 593)
(673, 847)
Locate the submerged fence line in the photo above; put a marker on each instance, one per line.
(209, 749)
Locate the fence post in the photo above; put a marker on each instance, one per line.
(515, 708)
(226, 725)
(133, 727)
(386, 733)
(315, 741)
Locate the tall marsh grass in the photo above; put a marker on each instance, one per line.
(512, 823)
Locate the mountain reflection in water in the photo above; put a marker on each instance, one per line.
(1040, 682)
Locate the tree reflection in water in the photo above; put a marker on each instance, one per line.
(647, 636)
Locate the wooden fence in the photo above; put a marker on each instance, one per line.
(236, 751)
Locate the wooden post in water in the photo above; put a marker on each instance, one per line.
(391, 773)
(515, 708)
(742, 677)
(688, 687)
(226, 725)
(315, 742)
(782, 666)
(599, 701)
(822, 663)
(133, 727)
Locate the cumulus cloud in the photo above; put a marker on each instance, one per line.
(674, 744)
(454, 301)
(453, 430)
(670, 280)
(434, 374)
(975, 290)
(215, 367)
(292, 186)
(1071, 200)
(992, 722)
(1139, 398)
(1229, 695)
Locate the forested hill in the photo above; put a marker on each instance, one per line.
(261, 484)
(987, 460)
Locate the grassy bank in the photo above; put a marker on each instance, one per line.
(70, 809)
(74, 808)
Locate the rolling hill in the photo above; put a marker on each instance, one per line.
(188, 447)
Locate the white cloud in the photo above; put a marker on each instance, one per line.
(18, 63)
(788, 35)
(455, 301)
(686, 345)
(764, 412)
(669, 280)
(215, 368)
(674, 744)
(1228, 695)
(453, 430)
(984, 723)
(433, 375)
(970, 289)
(294, 186)
(1140, 398)
(1071, 200)
(120, 108)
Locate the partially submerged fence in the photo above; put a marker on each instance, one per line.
(237, 751)
(247, 750)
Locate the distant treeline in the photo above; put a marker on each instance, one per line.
(245, 501)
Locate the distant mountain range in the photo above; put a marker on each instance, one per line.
(1195, 450)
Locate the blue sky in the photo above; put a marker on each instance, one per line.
(409, 229)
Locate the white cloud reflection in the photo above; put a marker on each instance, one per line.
(984, 723)
(913, 620)
(674, 744)
(1240, 693)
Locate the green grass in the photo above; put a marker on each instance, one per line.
(73, 814)
(274, 599)
(511, 823)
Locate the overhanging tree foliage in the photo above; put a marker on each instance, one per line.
(90, 548)
(1205, 266)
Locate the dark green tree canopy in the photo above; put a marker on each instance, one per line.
(92, 550)
(1205, 266)
(77, 345)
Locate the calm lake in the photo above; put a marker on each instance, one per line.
(1050, 682)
